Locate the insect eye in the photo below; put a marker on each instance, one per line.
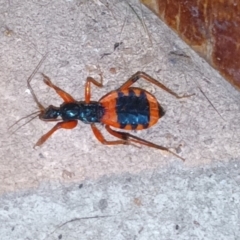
(50, 113)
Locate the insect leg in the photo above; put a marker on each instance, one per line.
(101, 138)
(66, 125)
(152, 80)
(133, 139)
(64, 95)
(88, 86)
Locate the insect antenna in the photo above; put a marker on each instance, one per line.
(40, 106)
(36, 114)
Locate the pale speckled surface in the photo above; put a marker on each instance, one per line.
(173, 203)
(76, 34)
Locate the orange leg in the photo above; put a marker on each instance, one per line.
(64, 95)
(66, 125)
(88, 87)
(133, 139)
(101, 139)
(150, 79)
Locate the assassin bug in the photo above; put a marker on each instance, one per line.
(127, 108)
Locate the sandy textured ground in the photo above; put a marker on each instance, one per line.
(80, 37)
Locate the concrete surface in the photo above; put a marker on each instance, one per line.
(172, 203)
(143, 193)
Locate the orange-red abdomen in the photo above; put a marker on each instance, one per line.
(130, 109)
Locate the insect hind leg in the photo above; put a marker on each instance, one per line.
(129, 138)
(152, 80)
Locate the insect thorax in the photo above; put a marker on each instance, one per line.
(87, 112)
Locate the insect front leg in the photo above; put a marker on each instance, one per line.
(66, 125)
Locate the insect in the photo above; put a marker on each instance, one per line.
(126, 108)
